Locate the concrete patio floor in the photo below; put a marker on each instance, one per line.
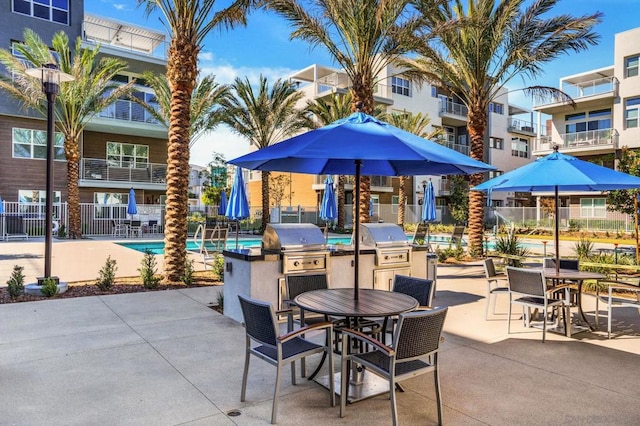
(167, 358)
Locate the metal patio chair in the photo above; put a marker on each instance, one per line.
(420, 289)
(615, 301)
(496, 284)
(414, 352)
(264, 341)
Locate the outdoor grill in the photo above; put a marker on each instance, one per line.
(302, 247)
(393, 252)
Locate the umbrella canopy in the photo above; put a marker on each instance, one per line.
(237, 207)
(429, 203)
(360, 143)
(1, 206)
(222, 207)
(132, 207)
(328, 208)
(560, 172)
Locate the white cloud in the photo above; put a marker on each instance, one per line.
(226, 73)
(121, 6)
(205, 56)
(221, 140)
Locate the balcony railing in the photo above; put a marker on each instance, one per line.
(587, 139)
(585, 89)
(517, 125)
(463, 149)
(453, 108)
(96, 169)
(127, 110)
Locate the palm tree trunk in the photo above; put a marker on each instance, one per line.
(477, 126)
(72, 154)
(401, 198)
(341, 197)
(266, 216)
(362, 92)
(182, 71)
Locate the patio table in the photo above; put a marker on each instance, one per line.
(339, 302)
(578, 277)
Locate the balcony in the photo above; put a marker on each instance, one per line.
(124, 37)
(592, 141)
(520, 126)
(449, 143)
(595, 89)
(127, 111)
(102, 173)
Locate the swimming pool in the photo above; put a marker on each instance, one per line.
(157, 247)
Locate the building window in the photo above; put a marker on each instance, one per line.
(374, 205)
(434, 92)
(400, 86)
(110, 205)
(631, 66)
(496, 108)
(32, 202)
(593, 207)
(50, 10)
(519, 147)
(127, 155)
(582, 122)
(394, 203)
(495, 173)
(631, 112)
(30, 143)
(496, 143)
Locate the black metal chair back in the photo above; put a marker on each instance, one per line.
(526, 281)
(418, 333)
(490, 268)
(418, 288)
(298, 284)
(259, 321)
(573, 264)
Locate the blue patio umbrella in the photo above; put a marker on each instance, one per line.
(222, 207)
(237, 207)
(328, 208)
(429, 207)
(132, 207)
(559, 172)
(1, 206)
(360, 144)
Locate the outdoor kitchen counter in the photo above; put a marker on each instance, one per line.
(255, 274)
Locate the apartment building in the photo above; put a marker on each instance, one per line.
(605, 117)
(509, 137)
(123, 147)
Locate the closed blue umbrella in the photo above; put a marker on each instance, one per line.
(132, 207)
(429, 207)
(328, 208)
(356, 143)
(222, 208)
(559, 172)
(237, 207)
(1, 206)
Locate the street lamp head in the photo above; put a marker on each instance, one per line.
(50, 76)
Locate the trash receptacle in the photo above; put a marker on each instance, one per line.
(432, 270)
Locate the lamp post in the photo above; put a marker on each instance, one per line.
(51, 77)
(424, 195)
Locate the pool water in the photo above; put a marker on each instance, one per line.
(157, 247)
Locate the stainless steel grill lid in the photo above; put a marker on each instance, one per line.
(293, 236)
(382, 235)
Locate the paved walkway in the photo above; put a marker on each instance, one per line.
(166, 358)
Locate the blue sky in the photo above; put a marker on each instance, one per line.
(263, 47)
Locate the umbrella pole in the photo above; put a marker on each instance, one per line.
(237, 232)
(557, 236)
(356, 232)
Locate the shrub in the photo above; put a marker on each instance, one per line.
(49, 287)
(218, 267)
(187, 277)
(220, 300)
(107, 274)
(148, 270)
(62, 232)
(583, 248)
(510, 245)
(15, 285)
(443, 254)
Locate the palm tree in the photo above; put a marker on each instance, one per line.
(205, 101)
(265, 118)
(493, 41)
(189, 22)
(416, 124)
(76, 104)
(363, 36)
